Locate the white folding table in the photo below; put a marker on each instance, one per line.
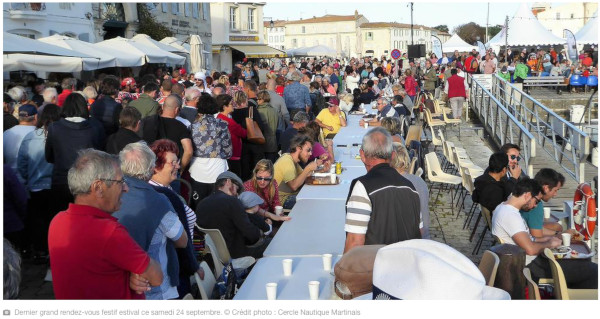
(332, 192)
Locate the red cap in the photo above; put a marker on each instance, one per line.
(127, 81)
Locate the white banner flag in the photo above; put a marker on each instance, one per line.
(571, 45)
(436, 46)
(481, 49)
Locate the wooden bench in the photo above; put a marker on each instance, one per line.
(556, 81)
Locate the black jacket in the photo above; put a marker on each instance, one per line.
(489, 192)
(116, 142)
(107, 111)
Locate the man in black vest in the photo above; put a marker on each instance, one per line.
(382, 206)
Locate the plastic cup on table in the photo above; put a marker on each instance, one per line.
(327, 262)
(313, 289)
(547, 212)
(566, 238)
(333, 178)
(366, 125)
(271, 291)
(278, 210)
(287, 267)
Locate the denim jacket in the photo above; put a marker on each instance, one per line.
(31, 162)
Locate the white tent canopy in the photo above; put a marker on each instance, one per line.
(525, 30)
(146, 53)
(147, 40)
(589, 33)
(318, 50)
(455, 43)
(22, 53)
(107, 59)
(12, 43)
(176, 43)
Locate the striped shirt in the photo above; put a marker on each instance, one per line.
(189, 213)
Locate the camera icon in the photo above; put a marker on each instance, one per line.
(6, 312)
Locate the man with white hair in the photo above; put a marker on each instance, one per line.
(297, 96)
(50, 97)
(150, 218)
(190, 110)
(382, 206)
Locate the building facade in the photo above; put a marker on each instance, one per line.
(380, 38)
(185, 19)
(39, 20)
(274, 34)
(341, 33)
(572, 16)
(238, 34)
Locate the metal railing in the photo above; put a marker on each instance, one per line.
(563, 141)
(500, 123)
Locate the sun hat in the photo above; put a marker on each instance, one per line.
(250, 199)
(234, 178)
(421, 269)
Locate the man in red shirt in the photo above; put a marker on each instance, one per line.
(91, 255)
(68, 86)
(457, 93)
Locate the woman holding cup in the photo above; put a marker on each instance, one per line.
(263, 184)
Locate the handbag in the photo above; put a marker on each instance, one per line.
(254, 134)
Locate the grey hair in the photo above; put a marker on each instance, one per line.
(191, 93)
(392, 125)
(16, 93)
(300, 117)
(377, 143)
(68, 83)
(49, 94)
(384, 99)
(138, 161)
(91, 165)
(296, 76)
(401, 161)
(90, 92)
(12, 271)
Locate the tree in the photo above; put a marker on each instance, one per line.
(470, 31)
(493, 30)
(148, 25)
(442, 28)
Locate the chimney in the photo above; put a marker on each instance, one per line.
(355, 14)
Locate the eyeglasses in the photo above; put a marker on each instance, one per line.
(174, 162)
(537, 200)
(518, 158)
(266, 179)
(119, 181)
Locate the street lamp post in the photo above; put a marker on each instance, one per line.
(411, 25)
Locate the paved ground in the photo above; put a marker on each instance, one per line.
(445, 227)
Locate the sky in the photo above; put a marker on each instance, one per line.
(425, 13)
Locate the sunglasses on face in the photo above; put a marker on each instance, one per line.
(518, 158)
(266, 179)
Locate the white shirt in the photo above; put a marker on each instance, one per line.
(206, 170)
(506, 222)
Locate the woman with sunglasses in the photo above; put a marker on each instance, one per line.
(263, 184)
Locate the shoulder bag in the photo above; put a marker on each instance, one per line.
(254, 134)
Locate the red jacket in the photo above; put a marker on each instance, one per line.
(60, 100)
(237, 132)
(456, 86)
(410, 85)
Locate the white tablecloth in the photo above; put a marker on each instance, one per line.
(294, 287)
(335, 192)
(316, 228)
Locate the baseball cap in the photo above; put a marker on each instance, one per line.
(27, 110)
(234, 178)
(422, 269)
(250, 199)
(127, 81)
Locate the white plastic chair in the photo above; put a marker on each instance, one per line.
(213, 239)
(436, 175)
(434, 139)
(489, 266)
(207, 285)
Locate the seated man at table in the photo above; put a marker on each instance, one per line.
(514, 173)
(384, 109)
(550, 181)
(509, 226)
(490, 189)
(288, 173)
(223, 210)
(299, 121)
(383, 207)
(331, 119)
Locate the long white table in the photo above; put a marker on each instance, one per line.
(316, 228)
(349, 156)
(294, 287)
(332, 192)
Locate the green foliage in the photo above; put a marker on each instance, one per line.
(442, 28)
(148, 25)
(492, 31)
(470, 31)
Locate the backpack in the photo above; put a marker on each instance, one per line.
(474, 64)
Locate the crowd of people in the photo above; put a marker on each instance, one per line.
(96, 173)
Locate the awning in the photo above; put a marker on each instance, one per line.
(259, 51)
